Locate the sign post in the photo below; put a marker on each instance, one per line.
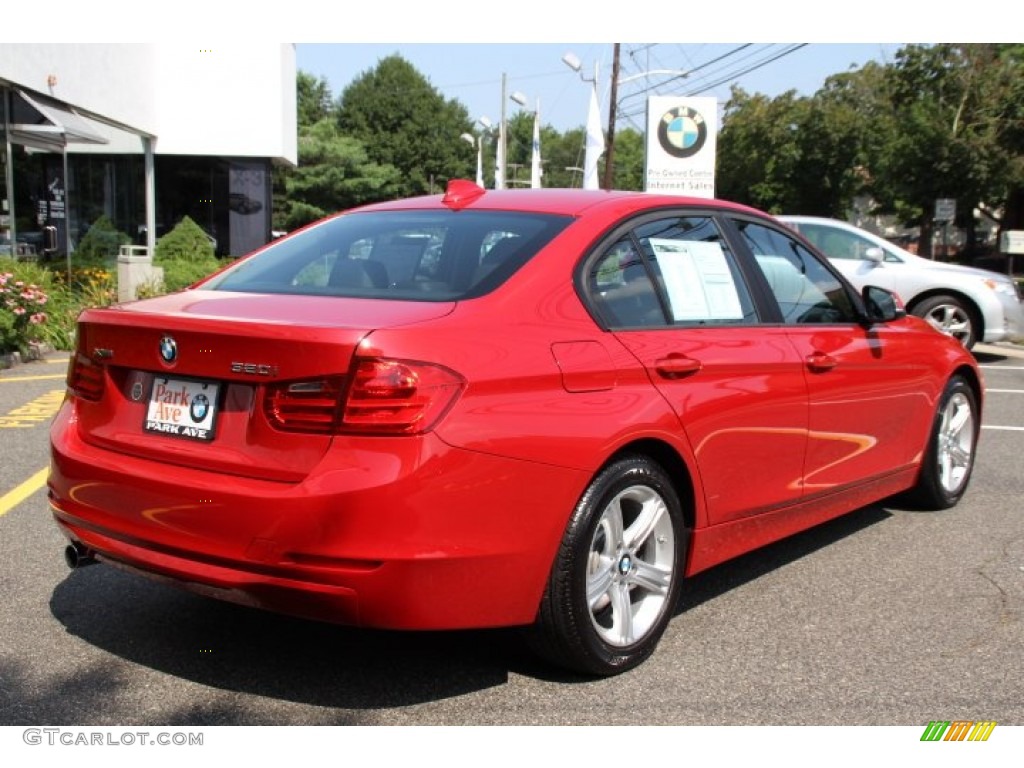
(945, 212)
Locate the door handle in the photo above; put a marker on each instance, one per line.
(819, 362)
(676, 366)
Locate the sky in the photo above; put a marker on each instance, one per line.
(472, 73)
(463, 47)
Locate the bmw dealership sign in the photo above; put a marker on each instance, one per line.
(681, 145)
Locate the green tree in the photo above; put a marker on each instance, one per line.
(954, 127)
(334, 173)
(758, 150)
(404, 122)
(313, 99)
(628, 172)
(562, 154)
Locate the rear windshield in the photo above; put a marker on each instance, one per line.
(421, 255)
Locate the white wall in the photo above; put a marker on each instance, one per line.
(232, 100)
(113, 80)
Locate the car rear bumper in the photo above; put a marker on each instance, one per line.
(398, 533)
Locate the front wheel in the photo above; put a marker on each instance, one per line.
(949, 456)
(616, 578)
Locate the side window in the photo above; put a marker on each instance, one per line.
(622, 288)
(674, 271)
(837, 243)
(804, 289)
(696, 271)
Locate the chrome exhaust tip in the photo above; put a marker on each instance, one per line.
(78, 556)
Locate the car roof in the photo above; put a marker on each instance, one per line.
(565, 202)
(822, 219)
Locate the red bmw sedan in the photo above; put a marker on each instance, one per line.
(531, 407)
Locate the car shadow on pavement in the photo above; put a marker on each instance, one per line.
(731, 574)
(259, 653)
(349, 671)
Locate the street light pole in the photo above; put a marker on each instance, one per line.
(575, 64)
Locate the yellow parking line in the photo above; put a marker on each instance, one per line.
(34, 378)
(11, 499)
(57, 360)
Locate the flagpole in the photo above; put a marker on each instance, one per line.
(535, 167)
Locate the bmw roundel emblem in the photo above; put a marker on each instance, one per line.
(168, 349)
(199, 408)
(682, 132)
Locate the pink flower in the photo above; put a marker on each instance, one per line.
(19, 310)
(37, 318)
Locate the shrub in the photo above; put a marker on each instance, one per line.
(186, 242)
(185, 254)
(23, 302)
(101, 243)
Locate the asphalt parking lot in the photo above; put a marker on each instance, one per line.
(884, 617)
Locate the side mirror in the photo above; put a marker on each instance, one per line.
(874, 254)
(882, 306)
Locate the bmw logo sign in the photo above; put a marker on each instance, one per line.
(682, 132)
(199, 408)
(168, 349)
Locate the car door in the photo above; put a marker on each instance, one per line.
(865, 384)
(670, 290)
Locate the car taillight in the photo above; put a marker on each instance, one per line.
(381, 397)
(305, 406)
(86, 377)
(398, 397)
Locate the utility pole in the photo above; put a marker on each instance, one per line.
(609, 160)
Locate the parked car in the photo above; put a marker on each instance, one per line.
(538, 408)
(970, 304)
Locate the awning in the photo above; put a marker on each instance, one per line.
(51, 121)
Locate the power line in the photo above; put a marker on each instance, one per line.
(729, 76)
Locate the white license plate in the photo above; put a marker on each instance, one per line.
(182, 408)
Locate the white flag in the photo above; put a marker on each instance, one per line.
(499, 160)
(535, 171)
(595, 143)
(480, 161)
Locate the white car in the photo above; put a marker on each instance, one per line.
(970, 304)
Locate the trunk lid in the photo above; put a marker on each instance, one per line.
(184, 379)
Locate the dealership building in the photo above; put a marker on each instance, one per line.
(143, 134)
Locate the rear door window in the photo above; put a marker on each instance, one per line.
(671, 271)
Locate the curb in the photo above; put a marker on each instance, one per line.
(1001, 349)
(35, 351)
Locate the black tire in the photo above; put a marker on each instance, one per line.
(952, 442)
(951, 315)
(625, 545)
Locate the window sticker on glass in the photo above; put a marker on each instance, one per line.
(698, 281)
